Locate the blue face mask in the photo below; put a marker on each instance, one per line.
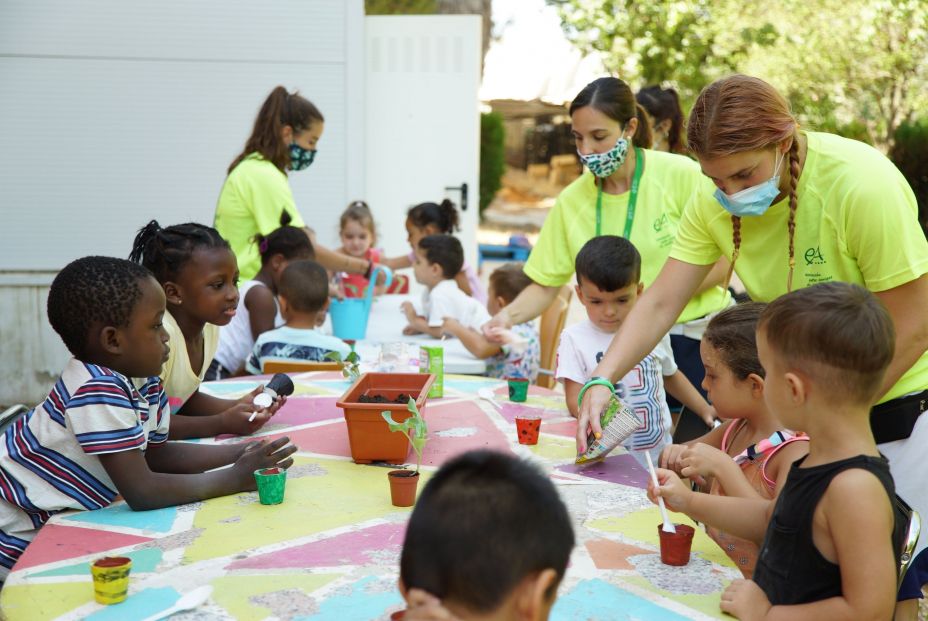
(300, 158)
(752, 201)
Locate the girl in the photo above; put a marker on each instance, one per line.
(749, 455)
(663, 105)
(257, 310)
(358, 235)
(437, 219)
(197, 270)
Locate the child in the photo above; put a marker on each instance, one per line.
(303, 294)
(257, 310)
(199, 275)
(520, 352)
(512, 540)
(438, 259)
(437, 219)
(608, 285)
(832, 545)
(358, 235)
(749, 455)
(102, 430)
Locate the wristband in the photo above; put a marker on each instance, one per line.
(593, 381)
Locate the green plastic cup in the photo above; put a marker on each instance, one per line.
(518, 389)
(271, 484)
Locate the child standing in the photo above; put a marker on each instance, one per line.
(358, 234)
(257, 310)
(831, 546)
(608, 285)
(199, 275)
(303, 294)
(749, 455)
(437, 219)
(438, 259)
(103, 429)
(519, 352)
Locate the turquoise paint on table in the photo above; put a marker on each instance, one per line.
(336, 386)
(138, 605)
(143, 561)
(228, 388)
(471, 386)
(158, 520)
(369, 598)
(597, 600)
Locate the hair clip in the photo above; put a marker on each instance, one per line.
(262, 247)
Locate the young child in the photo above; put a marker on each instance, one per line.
(257, 310)
(198, 273)
(832, 544)
(437, 219)
(103, 429)
(438, 259)
(749, 455)
(608, 285)
(358, 235)
(512, 540)
(519, 354)
(303, 293)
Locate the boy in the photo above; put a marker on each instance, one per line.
(831, 548)
(489, 537)
(608, 285)
(519, 355)
(303, 293)
(103, 429)
(438, 259)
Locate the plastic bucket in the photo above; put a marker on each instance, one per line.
(349, 316)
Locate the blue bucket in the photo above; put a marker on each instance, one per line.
(349, 316)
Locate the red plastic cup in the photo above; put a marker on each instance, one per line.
(527, 428)
(675, 547)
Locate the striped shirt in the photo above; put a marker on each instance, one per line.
(48, 456)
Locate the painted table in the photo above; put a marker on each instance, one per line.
(331, 550)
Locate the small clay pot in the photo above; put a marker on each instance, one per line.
(403, 485)
(527, 428)
(675, 547)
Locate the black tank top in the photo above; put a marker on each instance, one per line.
(790, 569)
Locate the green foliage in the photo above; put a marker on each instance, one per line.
(414, 428)
(351, 364)
(910, 154)
(399, 7)
(492, 156)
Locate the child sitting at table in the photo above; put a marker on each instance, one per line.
(103, 429)
(832, 544)
(608, 285)
(257, 310)
(303, 293)
(519, 353)
(750, 454)
(199, 274)
(438, 259)
(358, 235)
(489, 537)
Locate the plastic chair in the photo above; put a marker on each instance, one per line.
(293, 366)
(552, 323)
(910, 539)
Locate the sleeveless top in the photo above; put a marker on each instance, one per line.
(753, 462)
(235, 340)
(790, 569)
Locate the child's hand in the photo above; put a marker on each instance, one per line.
(451, 326)
(500, 320)
(743, 599)
(263, 454)
(675, 493)
(409, 331)
(709, 416)
(672, 456)
(702, 461)
(236, 421)
(502, 336)
(421, 606)
(409, 310)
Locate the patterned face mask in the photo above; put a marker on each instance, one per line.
(604, 164)
(300, 158)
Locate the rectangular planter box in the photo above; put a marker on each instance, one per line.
(368, 434)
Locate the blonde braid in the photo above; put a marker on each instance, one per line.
(736, 238)
(793, 204)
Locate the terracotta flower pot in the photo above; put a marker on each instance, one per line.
(675, 547)
(403, 484)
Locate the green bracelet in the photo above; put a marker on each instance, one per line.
(593, 381)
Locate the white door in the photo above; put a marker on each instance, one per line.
(422, 121)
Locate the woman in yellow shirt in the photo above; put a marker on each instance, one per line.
(793, 208)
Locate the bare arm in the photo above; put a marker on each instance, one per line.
(473, 341)
(529, 304)
(189, 458)
(397, 263)
(262, 310)
(222, 416)
(905, 304)
(571, 392)
(338, 262)
(716, 276)
(681, 389)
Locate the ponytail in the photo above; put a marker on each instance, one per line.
(643, 135)
(443, 216)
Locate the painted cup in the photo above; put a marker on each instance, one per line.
(111, 579)
(675, 547)
(527, 428)
(518, 389)
(271, 484)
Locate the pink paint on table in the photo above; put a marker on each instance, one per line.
(59, 543)
(301, 410)
(622, 469)
(331, 439)
(460, 415)
(511, 411)
(362, 547)
(567, 429)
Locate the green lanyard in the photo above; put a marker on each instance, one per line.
(632, 199)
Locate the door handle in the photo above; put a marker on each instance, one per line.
(463, 190)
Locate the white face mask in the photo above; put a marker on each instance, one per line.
(604, 164)
(755, 200)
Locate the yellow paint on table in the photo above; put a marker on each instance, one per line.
(707, 604)
(236, 593)
(25, 601)
(555, 448)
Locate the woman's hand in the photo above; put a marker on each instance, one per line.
(493, 329)
(595, 400)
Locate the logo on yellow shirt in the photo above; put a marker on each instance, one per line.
(813, 256)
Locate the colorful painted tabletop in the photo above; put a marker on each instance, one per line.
(331, 550)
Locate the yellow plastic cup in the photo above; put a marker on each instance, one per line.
(111, 579)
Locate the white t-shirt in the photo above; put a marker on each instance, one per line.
(446, 300)
(235, 341)
(642, 389)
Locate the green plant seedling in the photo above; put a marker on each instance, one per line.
(414, 428)
(351, 364)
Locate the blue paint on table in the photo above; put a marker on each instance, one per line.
(138, 605)
(158, 520)
(597, 600)
(143, 561)
(369, 598)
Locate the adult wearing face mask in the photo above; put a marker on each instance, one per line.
(628, 190)
(256, 196)
(793, 208)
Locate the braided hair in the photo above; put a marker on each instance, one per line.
(165, 251)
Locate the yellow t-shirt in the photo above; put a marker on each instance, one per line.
(253, 197)
(856, 221)
(667, 183)
(179, 377)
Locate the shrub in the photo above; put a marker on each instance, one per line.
(492, 156)
(910, 155)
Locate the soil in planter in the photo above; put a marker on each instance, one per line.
(403, 473)
(400, 398)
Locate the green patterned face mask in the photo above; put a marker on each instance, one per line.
(300, 158)
(604, 164)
